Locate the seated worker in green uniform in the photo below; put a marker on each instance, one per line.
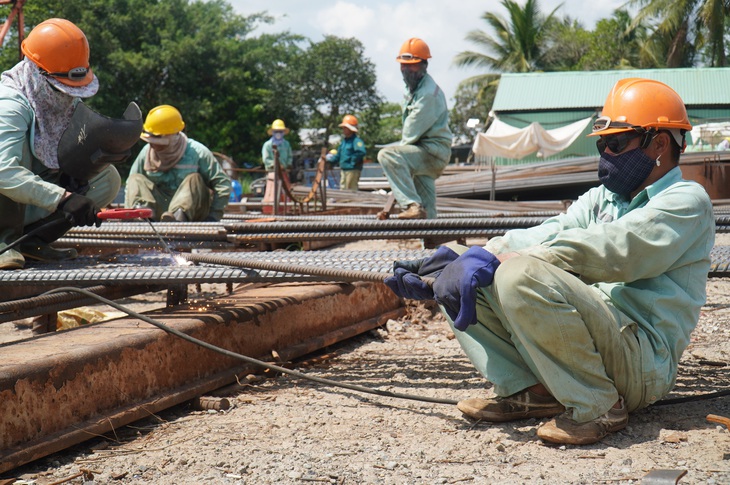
(176, 176)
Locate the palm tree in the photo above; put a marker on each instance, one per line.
(517, 43)
(683, 26)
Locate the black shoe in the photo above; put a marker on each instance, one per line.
(37, 250)
(177, 216)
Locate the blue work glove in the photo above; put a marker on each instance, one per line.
(455, 289)
(407, 282)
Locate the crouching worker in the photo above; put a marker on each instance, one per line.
(49, 180)
(176, 176)
(583, 319)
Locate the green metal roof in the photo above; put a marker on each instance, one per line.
(588, 89)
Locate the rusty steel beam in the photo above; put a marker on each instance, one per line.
(61, 389)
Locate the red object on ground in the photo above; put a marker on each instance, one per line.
(124, 214)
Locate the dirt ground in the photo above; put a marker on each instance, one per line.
(286, 430)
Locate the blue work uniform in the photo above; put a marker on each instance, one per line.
(425, 148)
(349, 157)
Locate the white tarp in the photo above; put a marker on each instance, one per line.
(709, 133)
(503, 140)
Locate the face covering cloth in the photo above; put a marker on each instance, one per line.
(624, 173)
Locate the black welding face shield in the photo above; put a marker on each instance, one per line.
(93, 141)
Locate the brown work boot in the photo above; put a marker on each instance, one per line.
(11, 259)
(563, 430)
(414, 211)
(523, 405)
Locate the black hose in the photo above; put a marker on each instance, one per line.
(35, 231)
(320, 380)
(251, 360)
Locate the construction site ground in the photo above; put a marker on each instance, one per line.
(285, 430)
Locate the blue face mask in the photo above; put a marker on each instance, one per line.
(624, 173)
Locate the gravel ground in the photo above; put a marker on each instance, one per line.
(286, 430)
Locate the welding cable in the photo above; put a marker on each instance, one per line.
(35, 231)
(327, 382)
(248, 359)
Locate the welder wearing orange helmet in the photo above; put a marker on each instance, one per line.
(413, 166)
(584, 318)
(48, 181)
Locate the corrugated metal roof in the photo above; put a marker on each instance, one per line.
(588, 89)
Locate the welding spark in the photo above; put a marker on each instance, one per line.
(180, 261)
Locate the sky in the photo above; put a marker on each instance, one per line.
(382, 26)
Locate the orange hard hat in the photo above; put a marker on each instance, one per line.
(60, 48)
(350, 122)
(413, 51)
(641, 103)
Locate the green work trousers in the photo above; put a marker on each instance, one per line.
(540, 324)
(192, 196)
(412, 172)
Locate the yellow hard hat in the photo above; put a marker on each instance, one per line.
(278, 125)
(163, 120)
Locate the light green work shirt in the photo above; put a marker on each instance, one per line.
(285, 155)
(197, 158)
(19, 169)
(426, 118)
(648, 257)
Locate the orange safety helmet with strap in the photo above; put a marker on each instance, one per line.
(413, 51)
(645, 106)
(60, 48)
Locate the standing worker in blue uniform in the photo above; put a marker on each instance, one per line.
(584, 318)
(47, 185)
(175, 176)
(349, 154)
(425, 148)
(277, 131)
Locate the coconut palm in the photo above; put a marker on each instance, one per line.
(516, 45)
(683, 26)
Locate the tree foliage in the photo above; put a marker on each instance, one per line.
(203, 58)
(685, 28)
(334, 78)
(470, 101)
(566, 43)
(517, 44)
(385, 126)
(616, 43)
